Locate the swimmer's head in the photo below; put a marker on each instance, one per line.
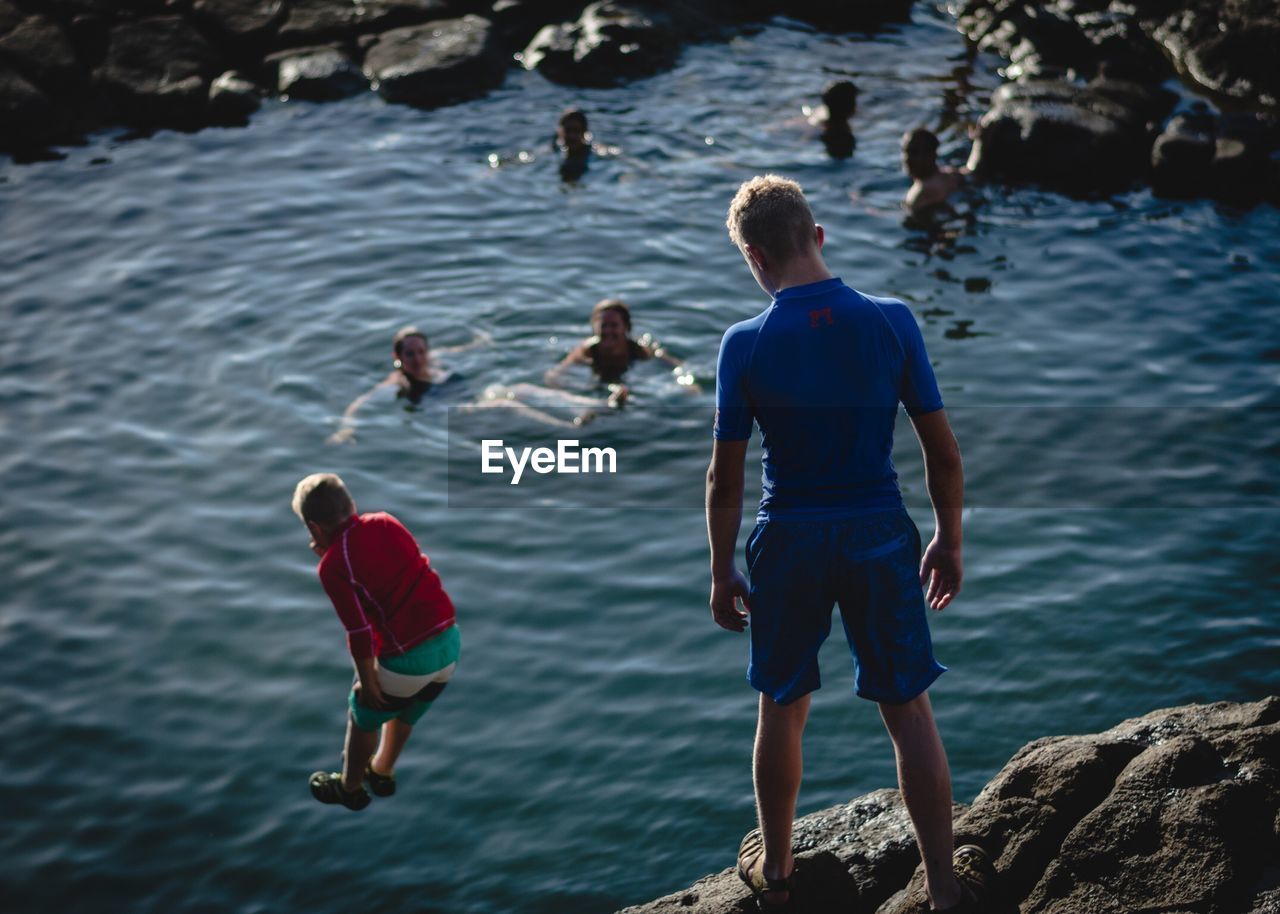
(611, 320)
(920, 153)
(771, 215)
(323, 503)
(412, 353)
(571, 131)
(841, 99)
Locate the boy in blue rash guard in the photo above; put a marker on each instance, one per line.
(822, 371)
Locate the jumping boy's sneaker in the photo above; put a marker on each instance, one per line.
(326, 786)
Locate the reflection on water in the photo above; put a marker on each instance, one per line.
(187, 317)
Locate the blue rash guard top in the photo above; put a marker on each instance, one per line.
(822, 371)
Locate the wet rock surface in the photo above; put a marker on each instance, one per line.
(1175, 811)
(71, 66)
(1227, 50)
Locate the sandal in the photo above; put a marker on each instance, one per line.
(975, 874)
(751, 871)
(382, 785)
(326, 786)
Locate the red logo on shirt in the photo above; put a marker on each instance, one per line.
(815, 316)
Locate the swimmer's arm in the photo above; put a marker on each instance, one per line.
(388, 388)
(577, 355)
(480, 338)
(724, 519)
(941, 568)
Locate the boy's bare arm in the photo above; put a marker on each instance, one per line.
(370, 688)
(724, 518)
(941, 568)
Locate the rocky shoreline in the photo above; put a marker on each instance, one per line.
(1085, 108)
(1175, 812)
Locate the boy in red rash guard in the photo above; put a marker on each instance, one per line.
(400, 629)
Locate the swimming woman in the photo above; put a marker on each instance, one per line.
(412, 374)
(610, 351)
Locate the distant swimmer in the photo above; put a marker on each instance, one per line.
(401, 633)
(573, 141)
(839, 104)
(413, 373)
(931, 184)
(610, 351)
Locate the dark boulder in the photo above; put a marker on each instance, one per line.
(251, 23)
(609, 43)
(157, 72)
(1243, 171)
(1183, 154)
(436, 63)
(40, 50)
(318, 21)
(848, 858)
(1038, 40)
(517, 21)
(318, 75)
(1228, 47)
(1176, 812)
(29, 120)
(1062, 135)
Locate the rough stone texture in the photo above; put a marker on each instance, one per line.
(158, 71)
(1177, 812)
(40, 50)
(317, 21)
(319, 74)
(253, 21)
(436, 63)
(848, 858)
(609, 43)
(1226, 46)
(1065, 135)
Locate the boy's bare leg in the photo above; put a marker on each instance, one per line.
(925, 781)
(395, 733)
(777, 769)
(356, 754)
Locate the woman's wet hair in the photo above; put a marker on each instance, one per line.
(921, 141)
(840, 97)
(612, 304)
(573, 114)
(405, 333)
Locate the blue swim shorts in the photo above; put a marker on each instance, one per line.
(869, 566)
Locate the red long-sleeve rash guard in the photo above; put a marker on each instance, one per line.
(383, 588)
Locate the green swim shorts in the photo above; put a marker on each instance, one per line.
(434, 660)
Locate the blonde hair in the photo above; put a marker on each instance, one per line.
(322, 498)
(771, 213)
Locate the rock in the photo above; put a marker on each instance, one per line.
(318, 75)
(1176, 812)
(517, 21)
(436, 63)
(313, 22)
(1242, 170)
(157, 71)
(1229, 47)
(1183, 154)
(29, 120)
(40, 49)
(847, 858)
(611, 42)
(232, 98)
(252, 22)
(1062, 135)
